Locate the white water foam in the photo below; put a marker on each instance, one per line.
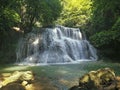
(59, 45)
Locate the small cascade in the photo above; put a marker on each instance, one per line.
(54, 45)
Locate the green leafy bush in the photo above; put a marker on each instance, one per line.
(105, 38)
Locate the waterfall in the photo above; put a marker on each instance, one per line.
(54, 45)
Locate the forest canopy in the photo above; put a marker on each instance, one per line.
(75, 13)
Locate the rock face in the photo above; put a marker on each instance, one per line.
(17, 80)
(102, 79)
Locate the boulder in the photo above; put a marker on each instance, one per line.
(101, 79)
(20, 77)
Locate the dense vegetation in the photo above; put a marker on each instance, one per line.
(75, 13)
(100, 19)
(105, 27)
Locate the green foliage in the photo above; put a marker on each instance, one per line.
(105, 14)
(105, 27)
(8, 18)
(50, 11)
(105, 22)
(108, 41)
(75, 13)
(31, 11)
(116, 26)
(105, 38)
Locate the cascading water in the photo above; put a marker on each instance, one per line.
(54, 45)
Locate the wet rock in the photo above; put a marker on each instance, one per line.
(19, 77)
(102, 79)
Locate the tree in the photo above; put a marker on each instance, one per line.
(32, 11)
(50, 11)
(105, 14)
(75, 13)
(8, 18)
(23, 14)
(104, 32)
